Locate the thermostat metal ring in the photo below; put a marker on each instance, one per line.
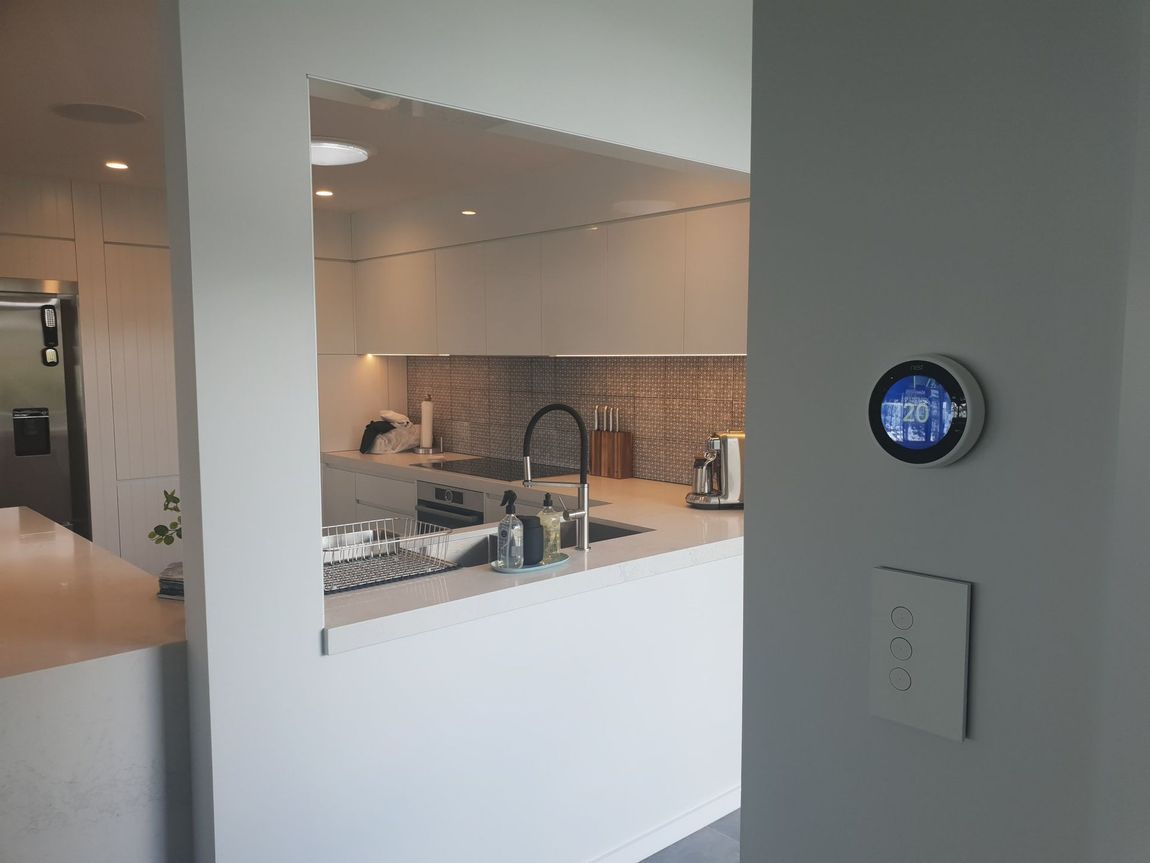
(964, 393)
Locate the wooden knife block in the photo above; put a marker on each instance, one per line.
(612, 454)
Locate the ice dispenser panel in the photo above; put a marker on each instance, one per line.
(30, 431)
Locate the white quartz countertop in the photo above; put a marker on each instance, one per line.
(677, 537)
(64, 600)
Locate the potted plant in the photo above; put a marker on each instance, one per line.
(166, 534)
(172, 578)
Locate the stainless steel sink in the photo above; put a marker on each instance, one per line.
(598, 531)
(475, 548)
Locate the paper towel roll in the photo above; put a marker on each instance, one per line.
(425, 420)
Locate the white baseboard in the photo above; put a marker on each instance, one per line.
(642, 847)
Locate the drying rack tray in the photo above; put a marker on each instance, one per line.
(368, 553)
(372, 571)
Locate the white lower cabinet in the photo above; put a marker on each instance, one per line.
(349, 496)
(394, 495)
(338, 488)
(364, 512)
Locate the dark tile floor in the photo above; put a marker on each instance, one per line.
(717, 843)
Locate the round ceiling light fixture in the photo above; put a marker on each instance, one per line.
(324, 193)
(468, 213)
(116, 166)
(329, 151)
(94, 112)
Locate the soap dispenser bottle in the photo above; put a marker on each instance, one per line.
(550, 521)
(510, 555)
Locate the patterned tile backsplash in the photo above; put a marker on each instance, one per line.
(670, 404)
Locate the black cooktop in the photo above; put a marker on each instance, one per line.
(502, 469)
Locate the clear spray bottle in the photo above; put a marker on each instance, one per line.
(510, 555)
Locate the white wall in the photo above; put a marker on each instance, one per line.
(953, 178)
(1121, 830)
(666, 76)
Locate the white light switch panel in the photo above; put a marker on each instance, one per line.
(919, 637)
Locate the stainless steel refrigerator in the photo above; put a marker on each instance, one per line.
(43, 464)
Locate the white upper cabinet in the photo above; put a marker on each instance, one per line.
(338, 495)
(133, 214)
(574, 281)
(645, 272)
(36, 206)
(716, 293)
(511, 287)
(395, 305)
(459, 300)
(335, 307)
(667, 284)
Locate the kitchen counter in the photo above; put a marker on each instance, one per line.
(677, 537)
(64, 600)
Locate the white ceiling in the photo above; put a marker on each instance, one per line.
(422, 151)
(55, 51)
(107, 51)
(419, 150)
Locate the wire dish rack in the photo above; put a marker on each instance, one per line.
(366, 553)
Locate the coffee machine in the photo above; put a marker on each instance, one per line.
(718, 475)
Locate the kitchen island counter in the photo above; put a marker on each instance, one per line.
(675, 537)
(65, 600)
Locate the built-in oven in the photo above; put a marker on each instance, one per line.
(446, 506)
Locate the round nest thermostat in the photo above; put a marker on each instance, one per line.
(927, 411)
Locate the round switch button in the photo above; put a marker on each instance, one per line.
(900, 649)
(900, 679)
(902, 618)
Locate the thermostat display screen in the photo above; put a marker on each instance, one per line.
(927, 410)
(917, 412)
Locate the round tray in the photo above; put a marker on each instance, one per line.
(527, 570)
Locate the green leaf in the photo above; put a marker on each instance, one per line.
(160, 530)
(174, 525)
(151, 534)
(168, 540)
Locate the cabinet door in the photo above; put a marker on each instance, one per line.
(339, 506)
(574, 291)
(459, 300)
(395, 305)
(366, 512)
(335, 307)
(511, 288)
(716, 301)
(396, 495)
(645, 284)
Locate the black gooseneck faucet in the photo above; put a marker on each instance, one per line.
(582, 534)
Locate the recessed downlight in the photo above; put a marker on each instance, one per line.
(328, 151)
(324, 193)
(468, 213)
(116, 166)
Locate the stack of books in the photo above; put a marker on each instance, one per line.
(172, 581)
